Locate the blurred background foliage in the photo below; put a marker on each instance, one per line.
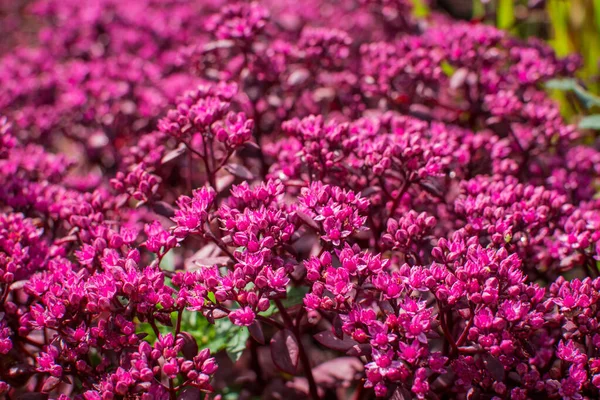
(569, 26)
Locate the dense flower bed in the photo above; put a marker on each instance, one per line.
(353, 201)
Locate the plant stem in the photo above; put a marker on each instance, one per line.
(289, 323)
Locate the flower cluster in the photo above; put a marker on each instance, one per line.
(324, 199)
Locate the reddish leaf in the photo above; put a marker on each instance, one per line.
(385, 306)
(190, 346)
(212, 315)
(298, 77)
(173, 154)
(308, 220)
(458, 78)
(223, 182)
(432, 188)
(50, 384)
(164, 209)
(256, 332)
(18, 285)
(494, 367)
(207, 256)
(323, 93)
(240, 171)
(194, 264)
(420, 111)
(32, 396)
(328, 339)
(227, 239)
(218, 44)
(190, 393)
(333, 374)
(337, 326)
(341, 369)
(370, 190)
(401, 394)
(284, 351)
(67, 239)
(359, 350)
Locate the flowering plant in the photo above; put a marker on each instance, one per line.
(207, 199)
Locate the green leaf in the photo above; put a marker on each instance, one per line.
(586, 98)
(447, 68)
(558, 12)
(420, 9)
(505, 14)
(294, 296)
(590, 122)
(597, 13)
(229, 337)
(168, 261)
(198, 326)
(192, 322)
(478, 9)
(562, 84)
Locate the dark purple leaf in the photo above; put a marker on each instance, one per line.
(284, 351)
(458, 78)
(256, 332)
(50, 384)
(164, 209)
(249, 150)
(190, 393)
(212, 315)
(227, 239)
(218, 44)
(494, 367)
(18, 285)
(420, 111)
(432, 189)
(359, 350)
(67, 239)
(190, 346)
(298, 77)
(323, 93)
(341, 369)
(240, 171)
(328, 339)
(173, 154)
(32, 396)
(370, 190)
(401, 394)
(193, 264)
(386, 306)
(308, 220)
(337, 326)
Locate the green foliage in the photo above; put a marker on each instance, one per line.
(505, 15)
(420, 8)
(192, 322)
(569, 26)
(223, 335)
(295, 296)
(229, 337)
(587, 99)
(590, 122)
